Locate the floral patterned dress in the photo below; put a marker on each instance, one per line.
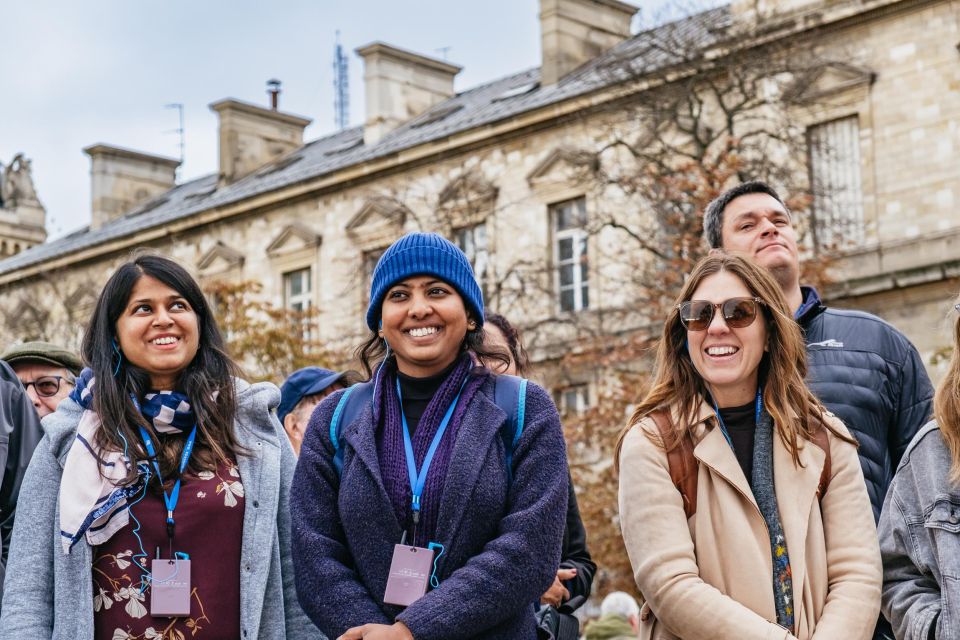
(209, 527)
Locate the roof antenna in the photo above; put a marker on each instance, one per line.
(341, 87)
(179, 131)
(273, 90)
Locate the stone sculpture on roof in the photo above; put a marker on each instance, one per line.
(16, 183)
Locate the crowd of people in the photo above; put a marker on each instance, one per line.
(789, 475)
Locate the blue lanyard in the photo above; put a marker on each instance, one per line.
(418, 480)
(756, 416)
(174, 496)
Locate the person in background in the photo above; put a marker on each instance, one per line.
(619, 619)
(301, 393)
(19, 434)
(775, 540)
(155, 506)
(420, 480)
(575, 575)
(920, 524)
(48, 372)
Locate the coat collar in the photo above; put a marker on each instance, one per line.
(475, 434)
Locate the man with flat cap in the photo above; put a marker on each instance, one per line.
(301, 393)
(47, 372)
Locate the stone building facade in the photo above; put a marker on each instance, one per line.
(501, 170)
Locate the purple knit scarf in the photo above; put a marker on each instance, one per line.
(390, 449)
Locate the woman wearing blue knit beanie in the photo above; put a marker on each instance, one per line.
(428, 502)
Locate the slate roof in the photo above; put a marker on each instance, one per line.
(483, 105)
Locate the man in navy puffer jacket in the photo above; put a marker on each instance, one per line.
(862, 369)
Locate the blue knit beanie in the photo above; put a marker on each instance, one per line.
(421, 254)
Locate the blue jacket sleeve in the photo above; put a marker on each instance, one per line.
(914, 404)
(329, 589)
(519, 565)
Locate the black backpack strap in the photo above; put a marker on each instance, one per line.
(351, 403)
(510, 394)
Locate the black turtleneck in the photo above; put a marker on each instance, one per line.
(418, 392)
(741, 426)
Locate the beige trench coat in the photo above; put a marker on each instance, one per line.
(712, 577)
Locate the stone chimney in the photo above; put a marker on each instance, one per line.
(573, 32)
(251, 136)
(400, 85)
(120, 179)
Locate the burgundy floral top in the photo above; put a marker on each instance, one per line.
(209, 527)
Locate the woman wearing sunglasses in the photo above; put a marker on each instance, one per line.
(920, 522)
(742, 502)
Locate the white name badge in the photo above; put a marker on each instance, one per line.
(170, 588)
(409, 575)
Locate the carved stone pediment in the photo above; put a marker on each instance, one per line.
(292, 238)
(468, 189)
(377, 212)
(562, 165)
(219, 258)
(828, 80)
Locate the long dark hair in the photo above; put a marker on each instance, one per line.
(207, 380)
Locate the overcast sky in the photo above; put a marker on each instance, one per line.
(77, 73)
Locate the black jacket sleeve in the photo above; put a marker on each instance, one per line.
(914, 406)
(575, 553)
(19, 434)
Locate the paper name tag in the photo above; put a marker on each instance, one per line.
(170, 588)
(409, 575)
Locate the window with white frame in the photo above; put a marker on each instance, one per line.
(370, 259)
(298, 290)
(569, 221)
(836, 184)
(573, 400)
(472, 241)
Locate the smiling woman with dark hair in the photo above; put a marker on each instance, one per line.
(156, 504)
(419, 509)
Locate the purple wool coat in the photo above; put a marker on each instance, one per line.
(502, 542)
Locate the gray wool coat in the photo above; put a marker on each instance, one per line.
(49, 594)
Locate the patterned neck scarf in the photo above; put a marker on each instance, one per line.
(765, 493)
(93, 504)
(390, 448)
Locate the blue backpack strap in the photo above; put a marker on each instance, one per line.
(351, 403)
(510, 394)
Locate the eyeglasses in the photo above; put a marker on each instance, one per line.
(696, 315)
(46, 386)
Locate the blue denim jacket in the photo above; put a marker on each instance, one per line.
(920, 543)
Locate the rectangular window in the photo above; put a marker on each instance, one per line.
(473, 242)
(370, 259)
(570, 254)
(835, 180)
(297, 290)
(574, 400)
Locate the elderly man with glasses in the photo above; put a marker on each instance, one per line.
(47, 372)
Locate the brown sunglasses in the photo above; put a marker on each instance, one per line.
(696, 315)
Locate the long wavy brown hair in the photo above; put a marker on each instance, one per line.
(946, 404)
(677, 384)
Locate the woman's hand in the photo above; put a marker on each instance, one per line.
(557, 594)
(395, 631)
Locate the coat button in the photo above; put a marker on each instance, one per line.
(256, 504)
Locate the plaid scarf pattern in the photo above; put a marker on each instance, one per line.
(93, 504)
